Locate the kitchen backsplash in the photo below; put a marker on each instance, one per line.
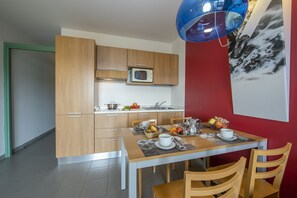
(120, 92)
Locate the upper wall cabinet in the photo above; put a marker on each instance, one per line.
(166, 69)
(139, 58)
(111, 63)
(111, 58)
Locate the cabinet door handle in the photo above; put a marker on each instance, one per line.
(112, 68)
(74, 116)
(112, 140)
(141, 65)
(74, 113)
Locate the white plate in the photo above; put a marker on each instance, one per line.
(172, 145)
(227, 139)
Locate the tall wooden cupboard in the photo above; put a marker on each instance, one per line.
(75, 71)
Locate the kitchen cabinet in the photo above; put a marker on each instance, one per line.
(111, 63)
(74, 135)
(75, 71)
(111, 58)
(164, 117)
(107, 136)
(166, 69)
(142, 116)
(140, 58)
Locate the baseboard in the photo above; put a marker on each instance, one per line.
(90, 157)
(2, 157)
(21, 147)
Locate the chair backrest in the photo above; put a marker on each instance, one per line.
(136, 122)
(178, 120)
(275, 165)
(229, 188)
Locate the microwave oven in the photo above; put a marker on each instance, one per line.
(141, 75)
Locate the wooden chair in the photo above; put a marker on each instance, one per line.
(179, 120)
(254, 182)
(194, 183)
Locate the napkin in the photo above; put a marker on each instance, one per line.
(241, 137)
(179, 145)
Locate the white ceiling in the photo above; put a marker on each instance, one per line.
(43, 19)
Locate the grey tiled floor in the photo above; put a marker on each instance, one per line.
(34, 173)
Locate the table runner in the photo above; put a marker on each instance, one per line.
(149, 148)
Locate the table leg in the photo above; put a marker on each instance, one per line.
(123, 165)
(139, 183)
(132, 180)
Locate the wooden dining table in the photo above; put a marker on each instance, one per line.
(208, 144)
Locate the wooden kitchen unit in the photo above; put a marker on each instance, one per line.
(166, 69)
(111, 58)
(140, 58)
(107, 127)
(75, 70)
(111, 63)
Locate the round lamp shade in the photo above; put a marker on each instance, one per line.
(205, 20)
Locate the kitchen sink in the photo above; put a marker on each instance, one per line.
(158, 108)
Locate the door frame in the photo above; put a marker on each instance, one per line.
(7, 47)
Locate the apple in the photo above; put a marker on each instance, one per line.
(218, 124)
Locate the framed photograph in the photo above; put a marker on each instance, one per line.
(259, 57)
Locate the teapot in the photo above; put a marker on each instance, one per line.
(193, 124)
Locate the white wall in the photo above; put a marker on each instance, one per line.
(33, 94)
(178, 92)
(7, 34)
(120, 92)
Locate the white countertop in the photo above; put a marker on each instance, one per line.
(104, 110)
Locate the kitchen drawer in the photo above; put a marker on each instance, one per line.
(142, 116)
(107, 145)
(111, 120)
(106, 133)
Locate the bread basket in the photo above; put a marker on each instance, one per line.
(151, 135)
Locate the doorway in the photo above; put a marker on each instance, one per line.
(8, 47)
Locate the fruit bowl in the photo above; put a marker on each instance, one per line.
(218, 123)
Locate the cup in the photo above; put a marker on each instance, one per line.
(226, 133)
(144, 124)
(165, 140)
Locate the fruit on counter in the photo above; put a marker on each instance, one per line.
(134, 106)
(151, 128)
(126, 108)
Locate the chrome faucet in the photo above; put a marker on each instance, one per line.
(157, 105)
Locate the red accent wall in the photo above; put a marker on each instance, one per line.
(208, 94)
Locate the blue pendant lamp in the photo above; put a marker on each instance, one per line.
(205, 20)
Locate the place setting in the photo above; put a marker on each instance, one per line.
(228, 135)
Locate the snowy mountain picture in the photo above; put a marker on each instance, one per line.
(258, 65)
